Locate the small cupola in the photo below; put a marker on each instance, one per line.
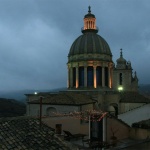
(121, 62)
(89, 22)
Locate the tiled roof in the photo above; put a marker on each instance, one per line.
(133, 97)
(66, 98)
(24, 133)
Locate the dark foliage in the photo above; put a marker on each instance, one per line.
(11, 108)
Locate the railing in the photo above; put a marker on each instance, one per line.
(96, 29)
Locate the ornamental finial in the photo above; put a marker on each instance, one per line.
(89, 9)
(121, 52)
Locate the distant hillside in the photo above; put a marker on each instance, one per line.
(145, 90)
(20, 95)
(11, 108)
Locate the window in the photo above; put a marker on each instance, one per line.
(99, 76)
(81, 76)
(120, 79)
(106, 76)
(50, 111)
(90, 81)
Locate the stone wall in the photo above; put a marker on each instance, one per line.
(120, 130)
(34, 109)
(68, 123)
(137, 133)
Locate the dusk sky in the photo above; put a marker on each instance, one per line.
(36, 36)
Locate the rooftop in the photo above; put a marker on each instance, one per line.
(24, 133)
(133, 97)
(63, 98)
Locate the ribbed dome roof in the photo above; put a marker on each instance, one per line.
(89, 43)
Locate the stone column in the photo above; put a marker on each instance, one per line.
(103, 76)
(71, 77)
(68, 81)
(104, 129)
(85, 76)
(109, 77)
(77, 77)
(95, 85)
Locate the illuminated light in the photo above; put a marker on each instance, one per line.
(120, 88)
(35, 93)
(110, 83)
(77, 84)
(68, 83)
(94, 77)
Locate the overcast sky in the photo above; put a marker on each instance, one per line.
(36, 35)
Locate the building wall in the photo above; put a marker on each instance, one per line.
(137, 133)
(141, 113)
(121, 131)
(71, 124)
(87, 107)
(34, 109)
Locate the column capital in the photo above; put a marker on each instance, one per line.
(110, 65)
(94, 66)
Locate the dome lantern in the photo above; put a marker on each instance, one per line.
(89, 22)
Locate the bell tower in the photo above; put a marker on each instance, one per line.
(123, 80)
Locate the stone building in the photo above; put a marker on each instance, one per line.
(94, 80)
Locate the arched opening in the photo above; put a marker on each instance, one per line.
(120, 79)
(99, 76)
(111, 110)
(81, 76)
(90, 76)
(114, 107)
(106, 76)
(50, 111)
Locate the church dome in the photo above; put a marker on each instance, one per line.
(89, 43)
(90, 58)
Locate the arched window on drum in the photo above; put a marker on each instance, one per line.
(50, 111)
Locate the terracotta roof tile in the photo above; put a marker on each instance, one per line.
(66, 98)
(24, 133)
(133, 97)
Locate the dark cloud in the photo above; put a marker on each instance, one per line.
(36, 35)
